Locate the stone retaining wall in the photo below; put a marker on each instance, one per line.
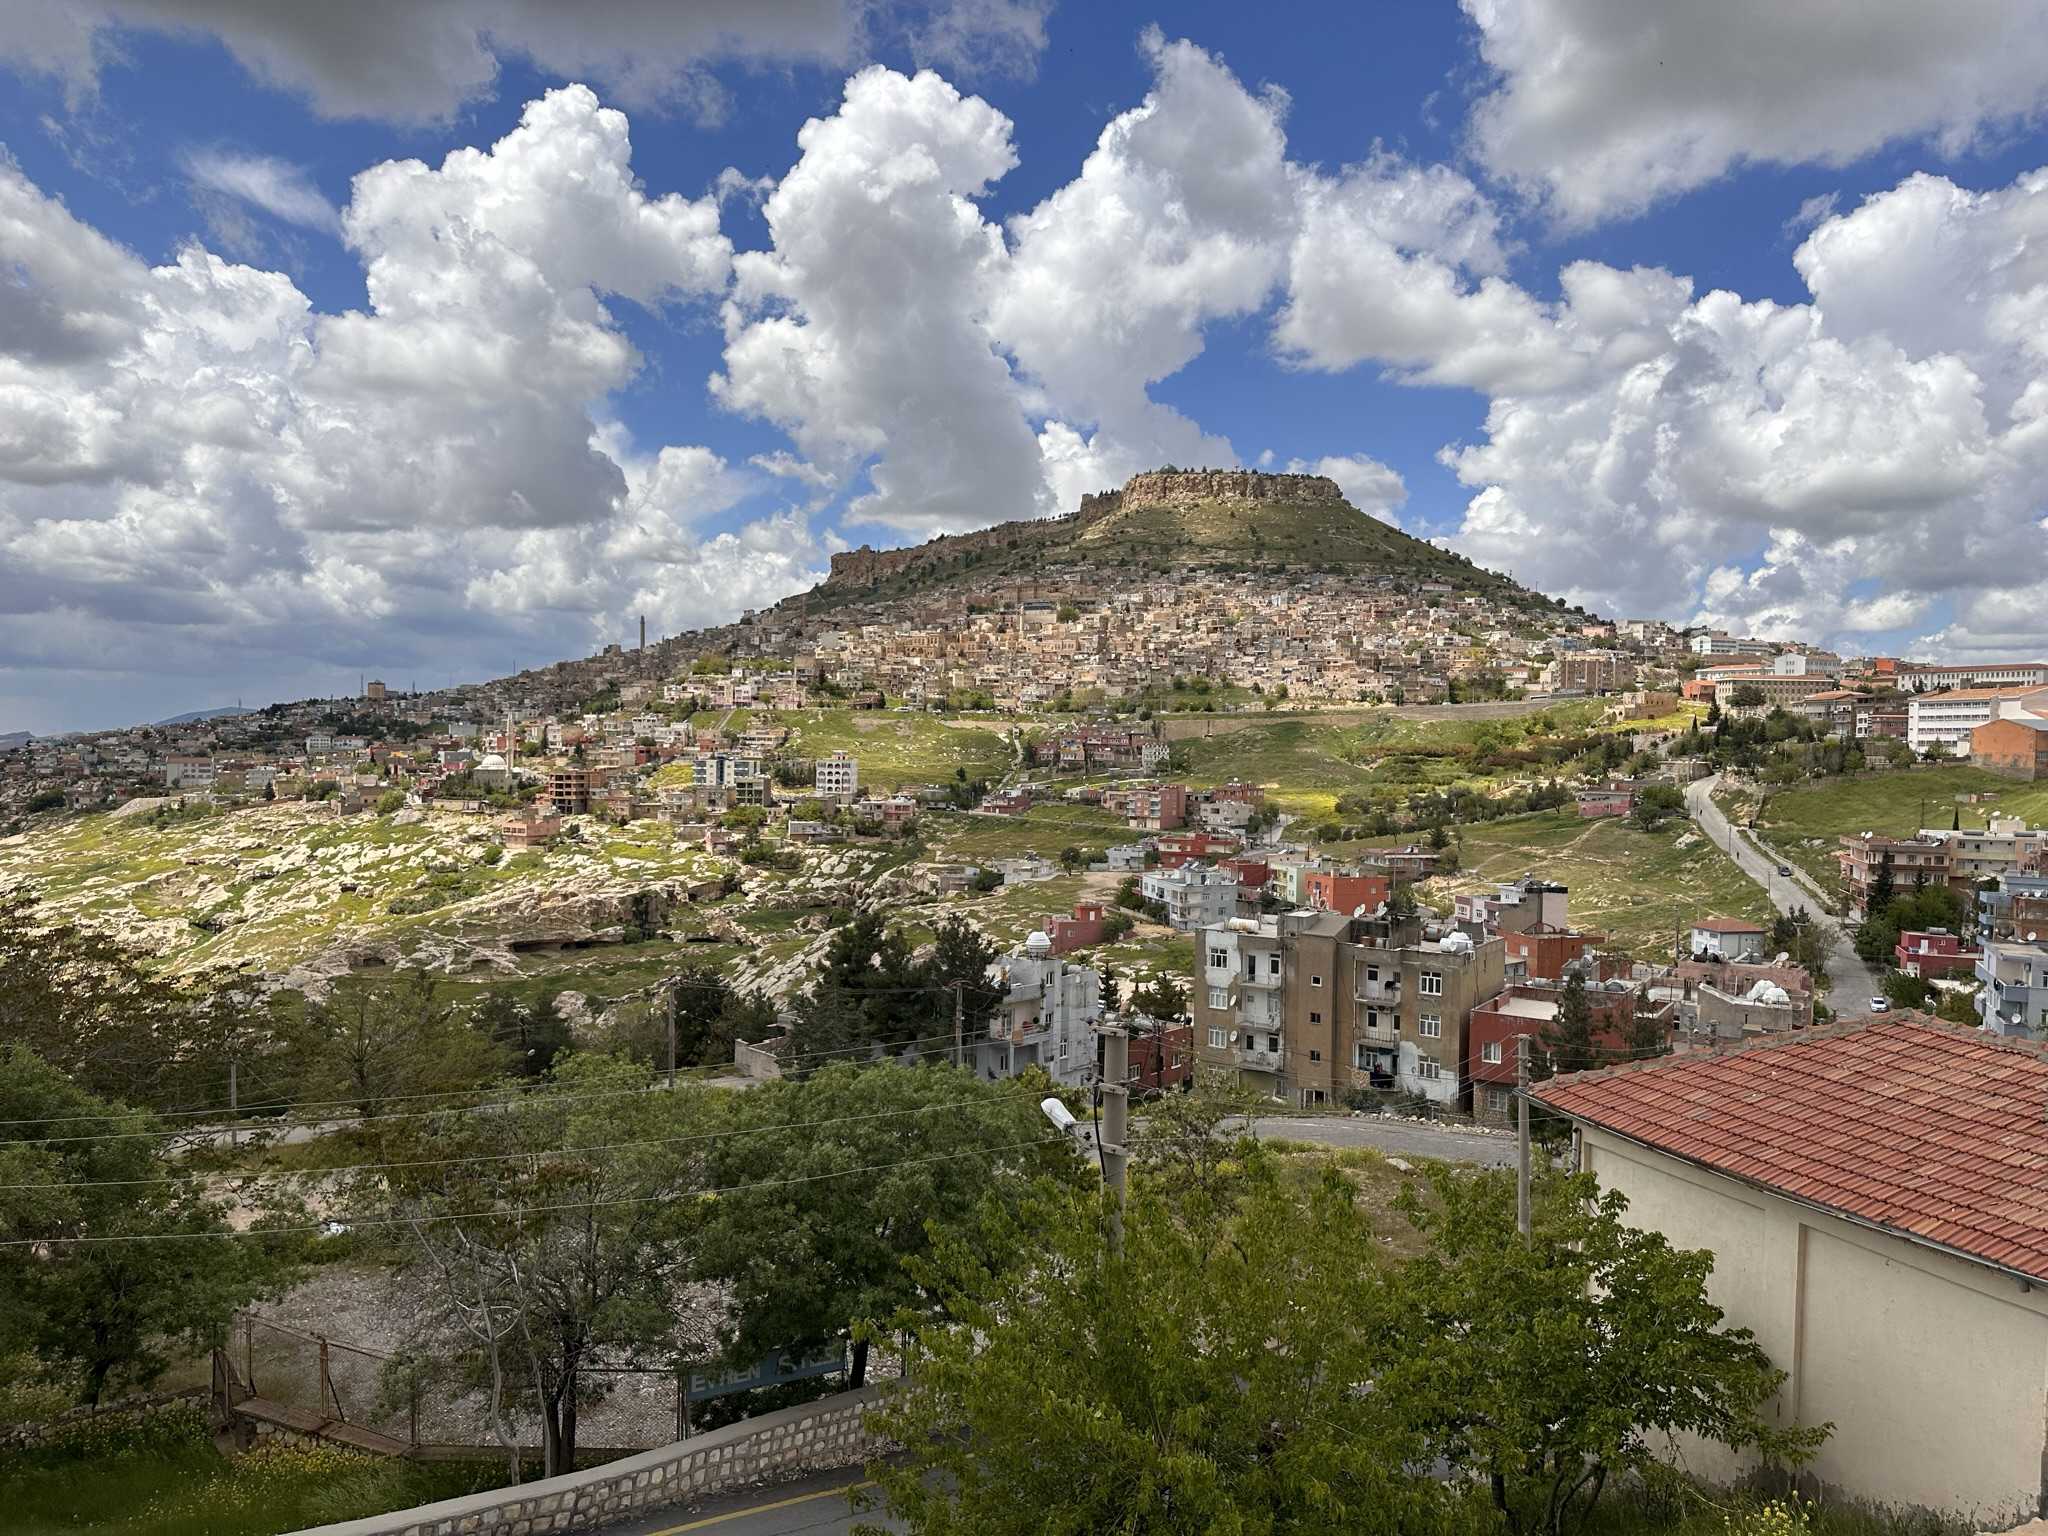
(22, 1436)
(810, 1437)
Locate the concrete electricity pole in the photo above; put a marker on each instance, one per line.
(959, 1018)
(1116, 1109)
(1522, 1136)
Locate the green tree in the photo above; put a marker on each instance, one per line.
(530, 1033)
(837, 1179)
(1744, 696)
(1568, 1042)
(371, 1042)
(1883, 888)
(1656, 804)
(958, 965)
(1072, 858)
(1544, 1369)
(1647, 1035)
(86, 1004)
(1162, 996)
(1171, 1388)
(111, 1313)
(559, 1241)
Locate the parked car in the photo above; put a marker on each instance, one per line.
(1880, 1005)
(1785, 870)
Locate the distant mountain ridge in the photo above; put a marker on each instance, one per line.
(195, 716)
(1161, 521)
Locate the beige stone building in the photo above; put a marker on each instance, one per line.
(1876, 1200)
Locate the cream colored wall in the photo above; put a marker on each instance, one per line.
(1933, 1370)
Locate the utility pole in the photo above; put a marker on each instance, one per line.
(1522, 1136)
(1116, 1106)
(234, 1106)
(959, 1019)
(671, 990)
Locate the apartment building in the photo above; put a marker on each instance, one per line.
(1515, 1019)
(1922, 860)
(2014, 999)
(569, 791)
(1306, 1006)
(1194, 896)
(1992, 674)
(1942, 722)
(1933, 954)
(837, 777)
(1046, 1018)
(1718, 643)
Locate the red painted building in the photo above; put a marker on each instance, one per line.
(1491, 1047)
(1162, 1056)
(1077, 932)
(1934, 955)
(1251, 873)
(1327, 890)
(1545, 951)
(1178, 848)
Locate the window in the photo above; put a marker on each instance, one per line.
(1273, 964)
(1219, 997)
(1215, 1039)
(1430, 1026)
(1372, 973)
(1315, 1055)
(1428, 1068)
(1490, 1052)
(1497, 1099)
(1314, 1017)
(1431, 983)
(1272, 1042)
(1219, 959)
(1315, 981)
(1360, 1057)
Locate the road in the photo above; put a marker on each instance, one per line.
(1854, 982)
(814, 1506)
(1403, 1138)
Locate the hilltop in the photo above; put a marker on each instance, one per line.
(1168, 520)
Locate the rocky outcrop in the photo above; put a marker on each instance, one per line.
(1182, 488)
(865, 566)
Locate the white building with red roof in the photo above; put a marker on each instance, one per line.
(1875, 1196)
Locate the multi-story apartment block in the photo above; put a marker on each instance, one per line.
(1718, 643)
(188, 772)
(2014, 908)
(1307, 1006)
(1991, 674)
(1922, 860)
(1942, 722)
(837, 777)
(1046, 1018)
(1194, 896)
(2014, 999)
(569, 791)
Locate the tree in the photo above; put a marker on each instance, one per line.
(1568, 1043)
(958, 969)
(1071, 858)
(85, 1003)
(1656, 804)
(1745, 696)
(1545, 1368)
(1646, 1034)
(108, 1314)
(837, 1179)
(529, 1033)
(1883, 888)
(1171, 1388)
(560, 1240)
(1161, 996)
(370, 1042)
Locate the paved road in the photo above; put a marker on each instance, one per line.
(814, 1506)
(1403, 1138)
(1854, 982)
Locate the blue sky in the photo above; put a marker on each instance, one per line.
(1370, 271)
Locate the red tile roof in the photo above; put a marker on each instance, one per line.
(1925, 1128)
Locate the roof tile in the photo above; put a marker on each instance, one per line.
(1900, 1120)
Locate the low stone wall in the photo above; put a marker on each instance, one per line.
(22, 1436)
(810, 1437)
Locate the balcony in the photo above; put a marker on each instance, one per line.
(1261, 1010)
(1385, 994)
(1256, 1058)
(1266, 981)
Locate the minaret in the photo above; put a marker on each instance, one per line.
(643, 631)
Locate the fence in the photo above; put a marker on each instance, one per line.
(432, 1410)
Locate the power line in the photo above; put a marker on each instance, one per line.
(527, 1210)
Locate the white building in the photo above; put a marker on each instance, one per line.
(1194, 896)
(187, 772)
(838, 776)
(1719, 644)
(1996, 674)
(1731, 938)
(1898, 1274)
(1943, 721)
(1046, 1018)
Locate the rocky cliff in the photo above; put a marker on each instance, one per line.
(1184, 488)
